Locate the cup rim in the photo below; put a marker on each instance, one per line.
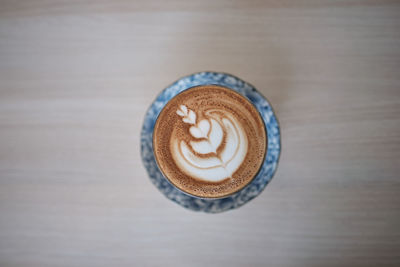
(239, 189)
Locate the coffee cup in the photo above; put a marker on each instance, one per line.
(210, 142)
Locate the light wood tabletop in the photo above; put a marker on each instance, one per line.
(76, 78)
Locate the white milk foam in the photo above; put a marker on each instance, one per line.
(202, 157)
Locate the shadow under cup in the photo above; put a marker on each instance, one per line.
(250, 185)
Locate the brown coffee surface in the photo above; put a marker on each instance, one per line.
(209, 141)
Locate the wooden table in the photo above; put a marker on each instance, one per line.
(76, 78)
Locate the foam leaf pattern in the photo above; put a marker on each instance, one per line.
(184, 109)
(180, 113)
(213, 138)
(188, 115)
(192, 116)
(201, 130)
(202, 147)
(220, 163)
(216, 134)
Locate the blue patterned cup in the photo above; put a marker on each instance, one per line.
(268, 168)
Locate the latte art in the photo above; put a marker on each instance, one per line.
(205, 157)
(209, 141)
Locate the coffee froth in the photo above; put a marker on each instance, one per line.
(205, 157)
(209, 141)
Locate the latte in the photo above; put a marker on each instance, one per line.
(209, 141)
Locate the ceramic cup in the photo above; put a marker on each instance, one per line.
(266, 171)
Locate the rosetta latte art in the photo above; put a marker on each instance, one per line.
(217, 147)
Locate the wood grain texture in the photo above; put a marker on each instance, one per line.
(76, 78)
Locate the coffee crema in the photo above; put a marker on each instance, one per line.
(209, 141)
